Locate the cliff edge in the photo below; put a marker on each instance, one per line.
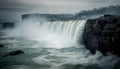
(103, 34)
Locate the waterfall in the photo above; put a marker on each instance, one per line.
(70, 29)
(52, 45)
(56, 34)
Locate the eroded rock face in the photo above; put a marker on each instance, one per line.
(103, 34)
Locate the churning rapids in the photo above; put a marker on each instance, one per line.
(50, 45)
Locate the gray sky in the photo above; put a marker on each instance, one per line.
(12, 9)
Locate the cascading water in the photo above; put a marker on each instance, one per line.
(51, 45)
(58, 34)
(69, 29)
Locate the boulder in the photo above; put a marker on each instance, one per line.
(6, 25)
(103, 34)
(13, 53)
(1, 45)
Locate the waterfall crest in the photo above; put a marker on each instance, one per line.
(69, 29)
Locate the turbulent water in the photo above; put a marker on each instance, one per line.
(51, 45)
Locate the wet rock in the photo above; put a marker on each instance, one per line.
(6, 25)
(103, 34)
(1, 45)
(13, 53)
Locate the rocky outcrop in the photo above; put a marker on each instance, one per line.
(1, 45)
(6, 25)
(13, 53)
(103, 34)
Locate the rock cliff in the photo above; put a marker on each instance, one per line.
(103, 34)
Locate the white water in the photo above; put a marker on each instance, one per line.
(55, 44)
(58, 34)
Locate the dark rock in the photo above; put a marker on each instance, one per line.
(6, 25)
(13, 53)
(103, 34)
(107, 15)
(1, 45)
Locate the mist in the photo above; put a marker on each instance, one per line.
(60, 41)
(59, 34)
(47, 32)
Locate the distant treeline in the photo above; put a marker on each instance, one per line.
(113, 10)
(87, 14)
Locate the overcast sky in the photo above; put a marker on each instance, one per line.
(12, 9)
